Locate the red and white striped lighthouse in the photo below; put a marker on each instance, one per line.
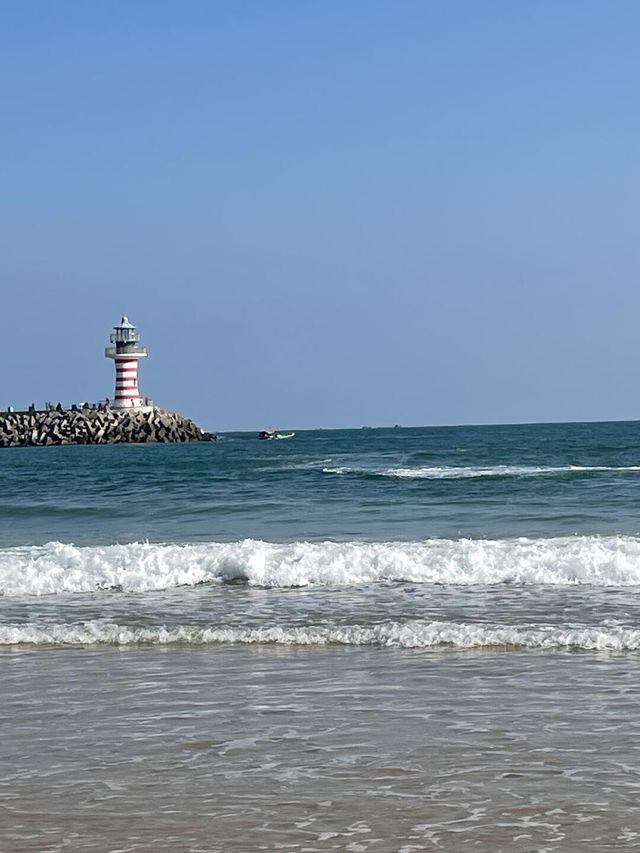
(126, 353)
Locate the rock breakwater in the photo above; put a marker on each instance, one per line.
(102, 426)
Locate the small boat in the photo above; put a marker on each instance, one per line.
(271, 434)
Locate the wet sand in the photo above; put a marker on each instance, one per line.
(262, 748)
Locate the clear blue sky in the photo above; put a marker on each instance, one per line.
(328, 213)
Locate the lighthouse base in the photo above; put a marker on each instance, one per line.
(128, 406)
(140, 404)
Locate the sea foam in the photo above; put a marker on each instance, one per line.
(408, 635)
(450, 472)
(62, 568)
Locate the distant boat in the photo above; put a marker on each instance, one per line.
(271, 434)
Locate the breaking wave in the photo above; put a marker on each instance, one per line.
(58, 568)
(407, 635)
(446, 472)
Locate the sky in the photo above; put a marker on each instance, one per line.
(324, 213)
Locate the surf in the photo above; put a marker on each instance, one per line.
(413, 634)
(59, 568)
(449, 472)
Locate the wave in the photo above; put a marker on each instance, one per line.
(447, 472)
(58, 568)
(407, 635)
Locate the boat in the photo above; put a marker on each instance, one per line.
(271, 434)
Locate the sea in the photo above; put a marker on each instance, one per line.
(387, 640)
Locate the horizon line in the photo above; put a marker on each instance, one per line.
(367, 427)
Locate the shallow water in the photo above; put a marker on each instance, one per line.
(359, 640)
(237, 749)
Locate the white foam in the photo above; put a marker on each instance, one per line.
(59, 568)
(457, 473)
(447, 472)
(407, 635)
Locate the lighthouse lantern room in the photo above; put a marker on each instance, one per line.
(126, 353)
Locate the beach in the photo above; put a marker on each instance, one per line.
(365, 640)
(319, 749)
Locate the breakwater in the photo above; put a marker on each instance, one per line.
(101, 426)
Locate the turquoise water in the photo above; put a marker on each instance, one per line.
(396, 484)
(413, 537)
(367, 640)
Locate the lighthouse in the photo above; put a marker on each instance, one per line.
(126, 353)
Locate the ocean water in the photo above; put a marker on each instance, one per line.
(363, 640)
